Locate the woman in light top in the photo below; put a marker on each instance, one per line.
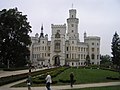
(48, 81)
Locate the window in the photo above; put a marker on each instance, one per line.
(57, 35)
(72, 31)
(49, 48)
(84, 49)
(67, 56)
(48, 54)
(92, 43)
(43, 48)
(72, 25)
(72, 16)
(67, 48)
(93, 49)
(43, 41)
(84, 56)
(97, 43)
(93, 56)
(57, 45)
(78, 48)
(81, 49)
(79, 56)
(97, 56)
(97, 49)
(72, 42)
(42, 54)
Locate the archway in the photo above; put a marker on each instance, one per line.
(57, 60)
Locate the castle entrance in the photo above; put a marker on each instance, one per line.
(57, 60)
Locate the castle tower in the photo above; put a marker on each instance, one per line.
(72, 22)
(58, 44)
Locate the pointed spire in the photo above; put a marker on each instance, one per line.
(72, 5)
(85, 34)
(42, 28)
(42, 34)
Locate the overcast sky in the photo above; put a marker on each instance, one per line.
(97, 17)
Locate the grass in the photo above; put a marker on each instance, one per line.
(100, 88)
(82, 76)
(87, 75)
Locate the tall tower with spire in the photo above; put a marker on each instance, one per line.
(72, 22)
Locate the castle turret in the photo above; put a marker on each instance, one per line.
(72, 22)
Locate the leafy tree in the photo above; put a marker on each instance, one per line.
(105, 60)
(14, 38)
(88, 60)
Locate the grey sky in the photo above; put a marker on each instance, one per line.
(97, 17)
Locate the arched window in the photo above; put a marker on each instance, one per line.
(57, 46)
(57, 35)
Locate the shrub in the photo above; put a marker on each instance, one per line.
(112, 78)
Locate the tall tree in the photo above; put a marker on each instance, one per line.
(116, 50)
(14, 38)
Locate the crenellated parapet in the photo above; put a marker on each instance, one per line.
(58, 26)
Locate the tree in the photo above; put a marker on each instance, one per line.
(116, 50)
(105, 60)
(14, 38)
(88, 60)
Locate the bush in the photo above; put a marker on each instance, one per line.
(112, 78)
(13, 78)
(66, 81)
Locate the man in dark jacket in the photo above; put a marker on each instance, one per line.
(71, 79)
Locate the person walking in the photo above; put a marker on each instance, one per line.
(71, 79)
(48, 81)
(29, 82)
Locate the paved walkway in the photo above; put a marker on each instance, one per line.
(9, 73)
(7, 87)
(64, 86)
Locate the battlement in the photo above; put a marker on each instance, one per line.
(92, 38)
(58, 26)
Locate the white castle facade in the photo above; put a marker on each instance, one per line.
(64, 48)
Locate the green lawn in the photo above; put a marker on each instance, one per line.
(82, 76)
(87, 75)
(100, 88)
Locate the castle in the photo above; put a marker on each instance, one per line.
(64, 48)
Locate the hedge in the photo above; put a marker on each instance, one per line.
(13, 78)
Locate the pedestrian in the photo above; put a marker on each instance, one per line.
(71, 79)
(48, 81)
(29, 82)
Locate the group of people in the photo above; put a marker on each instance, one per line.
(49, 81)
